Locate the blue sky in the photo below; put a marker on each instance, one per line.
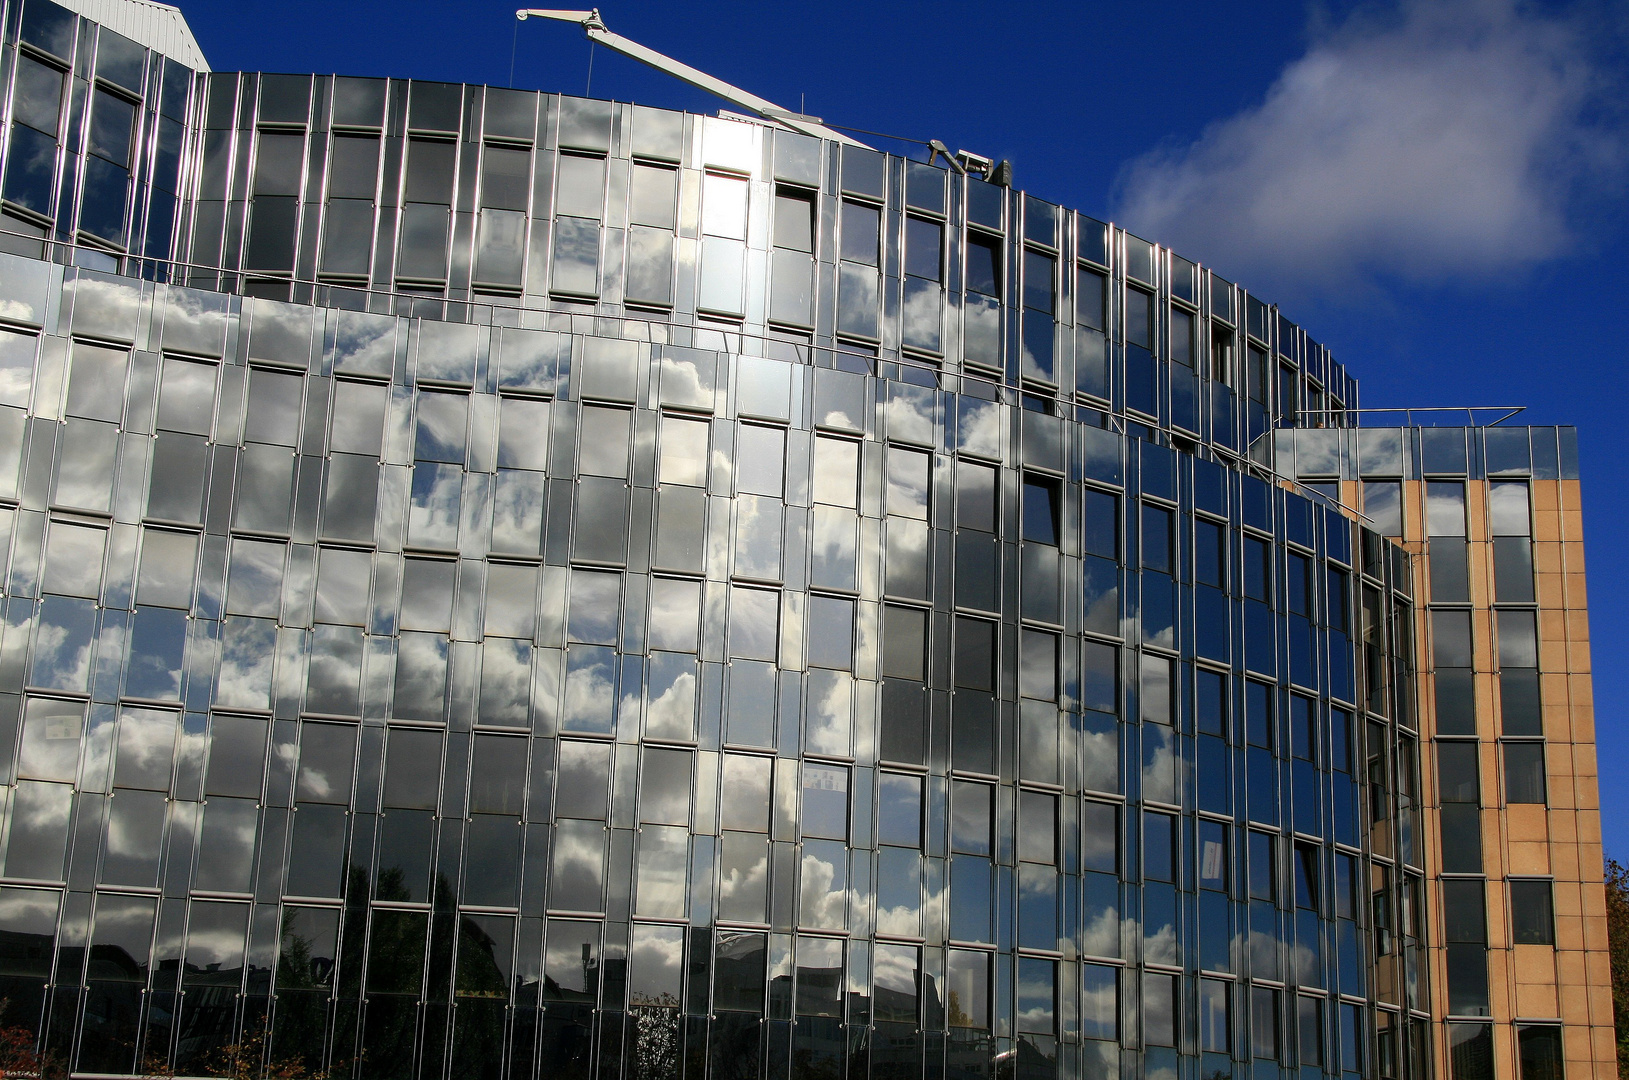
(1435, 190)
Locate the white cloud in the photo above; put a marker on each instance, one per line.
(1430, 140)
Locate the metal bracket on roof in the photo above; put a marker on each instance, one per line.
(594, 27)
(937, 149)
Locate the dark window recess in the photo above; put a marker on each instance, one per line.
(1210, 553)
(1289, 394)
(37, 95)
(1091, 289)
(1040, 288)
(272, 227)
(1255, 374)
(279, 161)
(1040, 509)
(1532, 912)
(975, 496)
(861, 233)
(506, 177)
(102, 211)
(31, 164)
(1258, 569)
(1258, 715)
(1512, 569)
(353, 170)
(924, 249)
(1102, 524)
(1157, 539)
(794, 219)
(113, 123)
(1221, 355)
(975, 654)
(1519, 711)
(984, 264)
(904, 643)
(430, 171)
(1541, 1053)
(1457, 773)
(1182, 337)
(1139, 318)
(1524, 772)
(347, 236)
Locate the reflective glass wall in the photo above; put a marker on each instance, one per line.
(476, 699)
(94, 133)
(319, 188)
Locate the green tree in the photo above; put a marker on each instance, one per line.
(1617, 936)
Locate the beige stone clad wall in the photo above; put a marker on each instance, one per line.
(1570, 982)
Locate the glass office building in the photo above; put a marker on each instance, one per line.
(500, 584)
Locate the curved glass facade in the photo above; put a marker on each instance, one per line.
(543, 586)
(556, 694)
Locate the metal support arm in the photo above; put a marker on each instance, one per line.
(594, 27)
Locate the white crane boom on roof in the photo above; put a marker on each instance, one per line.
(594, 27)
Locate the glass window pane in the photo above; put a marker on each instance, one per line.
(836, 471)
(273, 415)
(1524, 772)
(825, 801)
(146, 750)
(924, 248)
(255, 581)
(656, 966)
(354, 166)
(37, 97)
(576, 257)
(724, 207)
(52, 734)
(523, 425)
(861, 232)
(96, 382)
(1532, 914)
(794, 219)
(580, 191)
(603, 438)
(830, 641)
(327, 760)
(16, 367)
(1541, 1052)
(899, 810)
(343, 578)
(746, 779)
(427, 594)
(73, 559)
(358, 418)
(754, 623)
(904, 643)
(683, 452)
(506, 177)
(347, 237)
(652, 196)
(967, 989)
(168, 562)
(237, 755)
(113, 120)
(760, 454)
(664, 785)
(1040, 509)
